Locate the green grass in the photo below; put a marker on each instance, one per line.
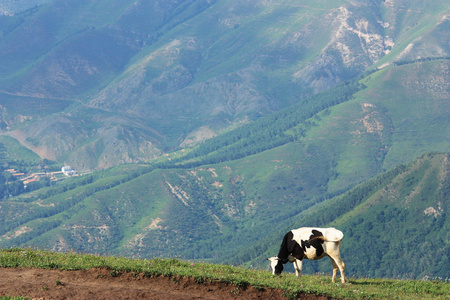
(241, 277)
(12, 150)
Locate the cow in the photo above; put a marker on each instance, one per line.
(310, 243)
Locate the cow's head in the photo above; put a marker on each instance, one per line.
(276, 264)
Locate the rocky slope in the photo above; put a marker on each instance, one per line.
(146, 77)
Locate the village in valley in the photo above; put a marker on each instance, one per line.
(27, 178)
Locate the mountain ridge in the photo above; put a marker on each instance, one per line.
(280, 55)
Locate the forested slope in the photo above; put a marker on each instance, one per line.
(395, 225)
(221, 211)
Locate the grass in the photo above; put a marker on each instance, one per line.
(13, 151)
(241, 277)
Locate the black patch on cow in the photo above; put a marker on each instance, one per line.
(314, 241)
(289, 246)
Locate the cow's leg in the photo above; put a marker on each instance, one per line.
(335, 269)
(341, 266)
(338, 264)
(298, 267)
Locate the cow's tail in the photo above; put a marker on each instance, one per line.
(321, 237)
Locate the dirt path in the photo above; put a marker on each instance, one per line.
(99, 284)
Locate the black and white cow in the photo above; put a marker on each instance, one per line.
(310, 243)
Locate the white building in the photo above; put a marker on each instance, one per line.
(68, 171)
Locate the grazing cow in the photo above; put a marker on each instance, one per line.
(310, 243)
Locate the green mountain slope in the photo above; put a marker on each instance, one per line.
(383, 219)
(151, 76)
(359, 129)
(222, 210)
(395, 225)
(304, 111)
(405, 215)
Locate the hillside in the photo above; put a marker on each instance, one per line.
(152, 212)
(47, 275)
(383, 219)
(127, 81)
(209, 122)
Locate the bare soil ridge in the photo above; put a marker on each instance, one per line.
(101, 284)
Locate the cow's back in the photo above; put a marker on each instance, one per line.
(305, 233)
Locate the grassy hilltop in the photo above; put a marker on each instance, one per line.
(240, 277)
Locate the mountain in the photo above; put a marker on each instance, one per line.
(390, 222)
(222, 210)
(214, 127)
(99, 84)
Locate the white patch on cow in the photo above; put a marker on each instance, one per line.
(273, 262)
(330, 234)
